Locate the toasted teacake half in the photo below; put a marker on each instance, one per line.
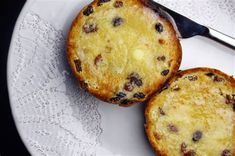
(193, 114)
(121, 51)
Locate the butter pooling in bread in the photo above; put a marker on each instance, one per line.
(193, 115)
(122, 51)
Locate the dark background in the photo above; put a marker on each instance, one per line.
(10, 142)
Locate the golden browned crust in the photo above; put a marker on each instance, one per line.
(106, 91)
(205, 69)
(150, 126)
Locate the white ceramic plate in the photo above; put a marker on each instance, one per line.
(55, 117)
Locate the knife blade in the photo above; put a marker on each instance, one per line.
(187, 28)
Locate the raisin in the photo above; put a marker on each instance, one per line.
(173, 128)
(159, 27)
(161, 111)
(209, 74)
(83, 85)
(226, 152)
(138, 82)
(135, 79)
(161, 41)
(89, 10)
(100, 2)
(197, 135)
(229, 99)
(165, 72)
(89, 27)
(215, 77)
(133, 76)
(192, 78)
(121, 95)
(78, 65)
(161, 58)
(115, 99)
(183, 147)
(139, 95)
(117, 21)
(128, 86)
(118, 4)
(126, 102)
(190, 153)
(166, 86)
(98, 59)
(218, 79)
(118, 97)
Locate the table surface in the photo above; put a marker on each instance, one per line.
(11, 143)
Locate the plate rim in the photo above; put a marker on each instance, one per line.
(9, 56)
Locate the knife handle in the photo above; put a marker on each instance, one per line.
(221, 38)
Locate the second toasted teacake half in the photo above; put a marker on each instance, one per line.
(193, 115)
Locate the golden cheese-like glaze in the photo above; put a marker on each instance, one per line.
(193, 115)
(122, 51)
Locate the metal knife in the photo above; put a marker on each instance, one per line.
(186, 28)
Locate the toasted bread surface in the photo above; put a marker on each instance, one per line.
(193, 115)
(122, 51)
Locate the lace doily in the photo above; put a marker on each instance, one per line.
(54, 116)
